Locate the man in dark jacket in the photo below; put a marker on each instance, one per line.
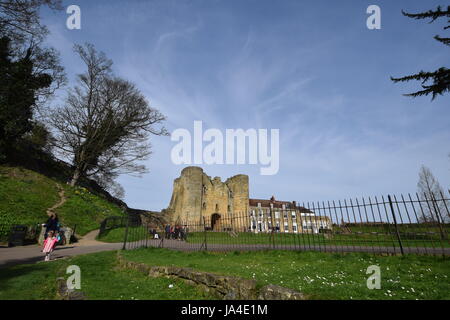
(52, 224)
(167, 231)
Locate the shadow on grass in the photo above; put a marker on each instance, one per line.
(31, 281)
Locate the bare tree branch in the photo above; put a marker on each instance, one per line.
(106, 122)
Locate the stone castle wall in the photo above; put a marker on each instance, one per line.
(195, 195)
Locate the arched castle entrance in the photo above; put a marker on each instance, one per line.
(215, 222)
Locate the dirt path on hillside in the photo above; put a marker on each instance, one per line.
(86, 240)
(62, 200)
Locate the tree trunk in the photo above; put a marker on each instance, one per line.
(75, 177)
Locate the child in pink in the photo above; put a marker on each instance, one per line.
(49, 245)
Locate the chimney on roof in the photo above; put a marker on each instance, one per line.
(294, 203)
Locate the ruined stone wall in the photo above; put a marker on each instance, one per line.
(195, 195)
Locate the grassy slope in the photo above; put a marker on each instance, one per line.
(99, 280)
(26, 195)
(118, 234)
(321, 275)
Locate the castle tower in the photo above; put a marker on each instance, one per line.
(238, 186)
(186, 200)
(196, 197)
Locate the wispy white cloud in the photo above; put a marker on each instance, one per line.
(345, 129)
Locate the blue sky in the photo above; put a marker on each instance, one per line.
(309, 68)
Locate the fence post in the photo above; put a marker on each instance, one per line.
(396, 225)
(126, 234)
(147, 234)
(161, 242)
(102, 227)
(72, 237)
(272, 223)
(205, 243)
(438, 216)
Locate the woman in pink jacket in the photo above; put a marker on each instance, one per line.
(49, 245)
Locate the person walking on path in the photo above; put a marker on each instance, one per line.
(183, 233)
(167, 231)
(49, 245)
(52, 224)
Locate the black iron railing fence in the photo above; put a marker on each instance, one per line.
(111, 223)
(406, 224)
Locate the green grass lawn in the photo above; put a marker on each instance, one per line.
(99, 280)
(320, 275)
(280, 239)
(26, 195)
(118, 235)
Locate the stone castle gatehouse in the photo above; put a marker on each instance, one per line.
(196, 196)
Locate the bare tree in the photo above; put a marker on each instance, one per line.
(106, 122)
(108, 183)
(429, 189)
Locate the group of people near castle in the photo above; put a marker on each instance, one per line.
(176, 232)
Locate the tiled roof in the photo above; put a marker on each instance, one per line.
(277, 204)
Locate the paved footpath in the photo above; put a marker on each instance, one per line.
(32, 253)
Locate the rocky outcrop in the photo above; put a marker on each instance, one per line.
(224, 287)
